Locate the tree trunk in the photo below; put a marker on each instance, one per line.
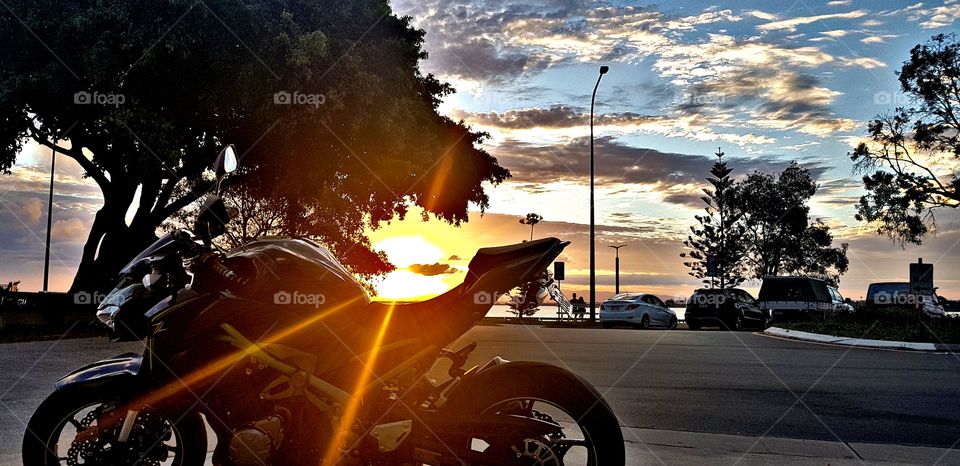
(109, 246)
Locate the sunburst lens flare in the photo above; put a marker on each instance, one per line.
(224, 363)
(341, 436)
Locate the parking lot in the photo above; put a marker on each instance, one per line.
(681, 396)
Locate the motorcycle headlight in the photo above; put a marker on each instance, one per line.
(107, 316)
(111, 305)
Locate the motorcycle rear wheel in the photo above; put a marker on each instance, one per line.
(592, 435)
(48, 439)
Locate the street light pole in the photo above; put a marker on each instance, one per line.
(617, 266)
(593, 233)
(46, 256)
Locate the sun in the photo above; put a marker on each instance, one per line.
(406, 250)
(402, 284)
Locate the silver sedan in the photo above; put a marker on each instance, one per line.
(640, 310)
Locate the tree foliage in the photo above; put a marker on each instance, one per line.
(720, 236)
(325, 102)
(531, 219)
(780, 236)
(904, 187)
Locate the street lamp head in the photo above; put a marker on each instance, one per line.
(604, 69)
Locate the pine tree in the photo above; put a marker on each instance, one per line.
(720, 237)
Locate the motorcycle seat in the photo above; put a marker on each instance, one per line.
(488, 259)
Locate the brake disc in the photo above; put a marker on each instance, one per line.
(93, 445)
(536, 452)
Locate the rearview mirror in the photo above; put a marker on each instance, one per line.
(226, 161)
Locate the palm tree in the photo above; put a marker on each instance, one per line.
(531, 219)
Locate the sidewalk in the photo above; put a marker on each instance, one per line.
(651, 446)
(860, 342)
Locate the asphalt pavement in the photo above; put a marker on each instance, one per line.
(683, 397)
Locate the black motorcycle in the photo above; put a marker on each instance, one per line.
(288, 360)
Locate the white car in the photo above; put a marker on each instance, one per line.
(640, 310)
(930, 306)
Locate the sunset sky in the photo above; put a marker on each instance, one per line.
(767, 85)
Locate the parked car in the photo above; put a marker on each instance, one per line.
(640, 310)
(800, 297)
(887, 294)
(898, 294)
(951, 306)
(930, 305)
(732, 308)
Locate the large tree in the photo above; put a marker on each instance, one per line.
(325, 102)
(716, 246)
(904, 184)
(782, 238)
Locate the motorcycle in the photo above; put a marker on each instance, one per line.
(284, 355)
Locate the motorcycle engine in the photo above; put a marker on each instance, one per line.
(255, 443)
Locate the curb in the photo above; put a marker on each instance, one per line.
(860, 342)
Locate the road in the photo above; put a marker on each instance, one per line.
(678, 394)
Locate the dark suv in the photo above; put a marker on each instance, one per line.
(732, 308)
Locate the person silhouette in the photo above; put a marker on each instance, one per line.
(579, 306)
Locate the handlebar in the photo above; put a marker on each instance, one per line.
(224, 272)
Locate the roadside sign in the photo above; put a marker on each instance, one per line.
(921, 277)
(712, 266)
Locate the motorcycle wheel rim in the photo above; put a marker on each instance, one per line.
(574, 432)
(59, 442)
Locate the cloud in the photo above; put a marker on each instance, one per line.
(431, 270)
(70, 231)
(878, 39)
(791, 24)
(498, 41)
(776, 99)
(504, 39)
(722, 53)
(761, 14)
(558, 117)
(839, 2)
(937, 17)
(28, 210)
(835, 33)
(617, 163)
(454, 258)
(685, 199)
(482, 59)
(862, 62)
(555, 116)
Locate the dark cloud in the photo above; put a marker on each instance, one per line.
(689, 200)
(466, 40)
(431, 269)
(556, 116)
(620, 163)
(454, 258)
(482, 59)
(775, 98)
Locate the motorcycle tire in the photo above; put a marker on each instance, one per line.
(40, 442)
(556, 386)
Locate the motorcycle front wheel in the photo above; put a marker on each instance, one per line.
(590, 435)
(68, 428)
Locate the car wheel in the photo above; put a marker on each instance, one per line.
(673, 323)
(693, 325)
(764, 323)
(736, 323)
(645, 322)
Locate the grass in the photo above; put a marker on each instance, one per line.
(890, 325)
